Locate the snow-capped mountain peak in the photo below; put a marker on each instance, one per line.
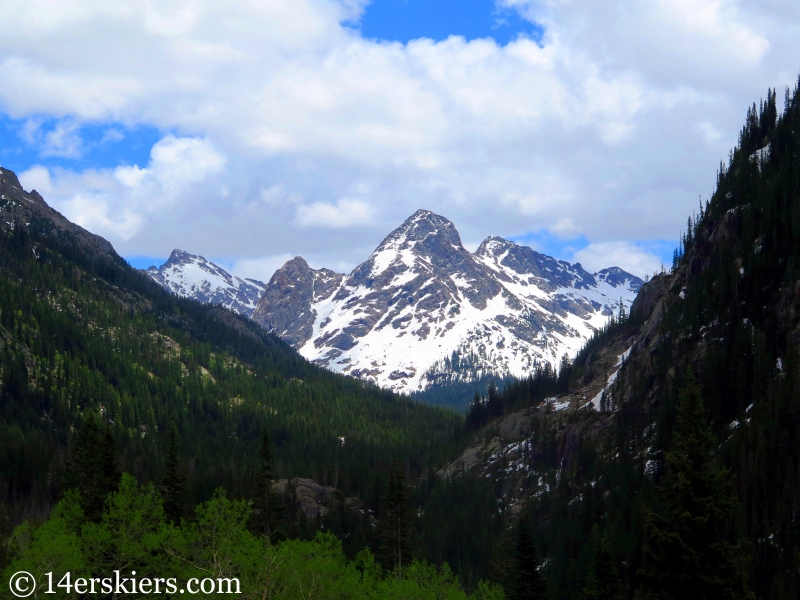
(422, 310)
(195, 277)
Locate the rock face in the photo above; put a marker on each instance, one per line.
(312, 501)
(19, 208)
(286, 306)
(422, 310)
(195, 277)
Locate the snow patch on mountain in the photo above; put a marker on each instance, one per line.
(423, 311)
(195, 277)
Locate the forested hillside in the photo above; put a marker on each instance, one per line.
(662, 463)
(81, 331)
(668, 466)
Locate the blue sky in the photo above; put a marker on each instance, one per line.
(49, 141)
(405, 20)
(262, 131)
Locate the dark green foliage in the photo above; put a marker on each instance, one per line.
(267, 506)
(134, 538)
(478, 414)
(604, 582)
(460, 525)
(80, 334)
(456, 394)
(542, 383)
(92, 467)
(173, 482)
(527, 582)
(5, 533)
(397, 519)
(692, 545)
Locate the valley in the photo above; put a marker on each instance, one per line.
(422, 311)
(659, 459)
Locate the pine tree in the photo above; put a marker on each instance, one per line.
(494, 402)
(477, 415)
(92, 467)
(564, 373)
(604, 582)
(527, 583)
(397, 522)
(690, 545)
(267, 508)
(5, 533)
(173, 484)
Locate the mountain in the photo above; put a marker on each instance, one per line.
(82, 332)
(192, 276)
(423, 311)
(601, 456)
(28, 209)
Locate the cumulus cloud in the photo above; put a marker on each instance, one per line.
(625, 255)
(117, 202)
(345, 213)
(283, 120)
(261, 269)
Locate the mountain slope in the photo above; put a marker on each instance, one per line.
(727, 315)
(192, 276)
(81, 330)
(423, 311)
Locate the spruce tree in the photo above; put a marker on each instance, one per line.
(494, 402)
(5, 533)
(173, 484)
(92, 467)
(267, 508)
(691, 546)
(397, 522)
(527, 582)
(478, 414)
(604, 582)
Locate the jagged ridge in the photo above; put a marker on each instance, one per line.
(422, 310)
(195, 277)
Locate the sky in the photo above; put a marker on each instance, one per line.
(255, 131)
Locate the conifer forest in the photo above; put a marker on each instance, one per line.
(141, 431)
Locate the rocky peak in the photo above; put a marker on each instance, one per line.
(286, 305)
(30, 210)
(418, 229)
(421, 299)
(522, 263)
(493, 246)
(194, 276)
(616, 277)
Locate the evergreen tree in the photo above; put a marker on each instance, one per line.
(604, 583)
(528, 583)
(494, 402)
(478, 413)
(564, 373)
(397, 521)
(173, 484)
(5, 533)
(92, 467)
(690, 545)
(267, 508)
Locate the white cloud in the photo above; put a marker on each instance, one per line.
(175, 164)
(37, 178)
(345, 213)
(625, 255)
(63, 141)
(282, 119)
(95, 213)
(260, 269)
(711, 134)
(117, 202)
